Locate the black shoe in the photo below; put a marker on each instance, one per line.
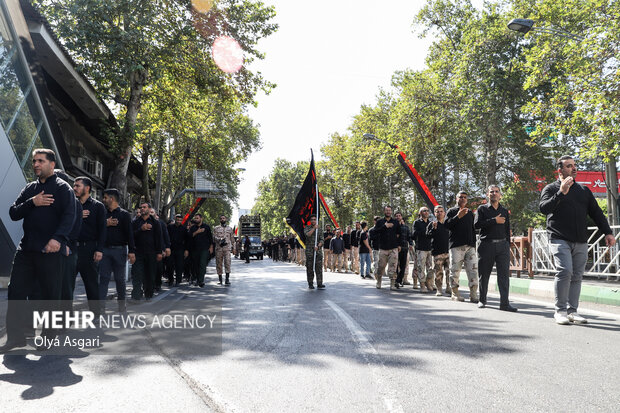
(201, 285)
(11, 344)
(362, 277)
(321, 286)
(508, 308)
(311, 286)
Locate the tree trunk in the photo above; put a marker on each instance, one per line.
(118, 179)
(146, 191)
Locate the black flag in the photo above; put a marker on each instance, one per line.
(305, 205)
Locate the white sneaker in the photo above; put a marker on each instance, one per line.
(561, 318)
(576, 318)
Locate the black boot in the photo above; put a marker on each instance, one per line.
(227, 279)
(220, 277)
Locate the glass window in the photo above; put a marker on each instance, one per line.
(20, 115)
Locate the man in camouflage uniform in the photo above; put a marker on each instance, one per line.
(224, 242)
(311, 231)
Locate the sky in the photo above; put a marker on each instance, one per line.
(328, 58)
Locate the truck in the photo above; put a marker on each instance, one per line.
(250, 225)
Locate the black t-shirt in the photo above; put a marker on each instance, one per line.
(363, 248)
(354, 238)
(327, 243)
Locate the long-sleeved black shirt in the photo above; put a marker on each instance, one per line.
(354, 238)
(422, 241)
(566, 214)
(164, 234)
(77, 226)
(178, 237)
(462, 231)
(373, 238)
(43, 223)
(405, 236)
(347, 241)
(488, 226)
(149, 241)
(94, 225)
(202, 241)
(388, 237)
(440, 236)
(122, 233)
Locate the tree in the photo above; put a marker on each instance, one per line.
(125, 46)
(276, 195)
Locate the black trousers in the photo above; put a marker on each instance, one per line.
(89, 270)
(35, 275)
(143, 275)
(402, 264)
(498, 254)
(178, 265)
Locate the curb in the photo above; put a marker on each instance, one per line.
(544, 289)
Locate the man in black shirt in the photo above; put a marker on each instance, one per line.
(70, 260)
(566, 204)
(327, 238)
(247, 244)
(355, 248)
(91, 240)
(179, 248)
(336, 247)
(119, 238)
(373, 238)
(346, 238)
(202, 243)
(405, 235)
(441, 259)
(460, 223)
(147, 237)
(388, 230)
(165, 253)
(47, 207)
(493, 220)
(423, 250)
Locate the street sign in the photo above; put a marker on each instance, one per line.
(204, 183)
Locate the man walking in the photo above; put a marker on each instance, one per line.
(314, 255)
(246, 248)
(441, 259)
(148, 240)
(493, 220)
(224, 242)
(346, 238)
(119, 238)
(423, 250)
(179, 249)
(389, 230)
(364, 249)
(566, 204)
(91, 241)
(405, 235)
(47, 207)
(373, 238)
(355, 248)
(202, 248)
(460, 223)
(337, 251)
(327, 237)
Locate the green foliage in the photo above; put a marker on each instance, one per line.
(276, 195)
(137, 52)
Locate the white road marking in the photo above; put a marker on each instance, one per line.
(371, 356)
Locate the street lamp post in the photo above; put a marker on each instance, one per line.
(611, 173)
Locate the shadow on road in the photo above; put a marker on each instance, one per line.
(42, 375)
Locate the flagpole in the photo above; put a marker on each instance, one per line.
(316, 236)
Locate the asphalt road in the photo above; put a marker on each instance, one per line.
(350, 347)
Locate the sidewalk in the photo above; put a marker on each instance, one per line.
(541, 286)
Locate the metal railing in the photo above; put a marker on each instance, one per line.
(603, 261)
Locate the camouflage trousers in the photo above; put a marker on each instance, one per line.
(424, 261)
(318, 268)
(463, 255)
(222, 256)
(441, 267)
(389, 258)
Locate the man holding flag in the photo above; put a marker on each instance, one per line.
(314, 253)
